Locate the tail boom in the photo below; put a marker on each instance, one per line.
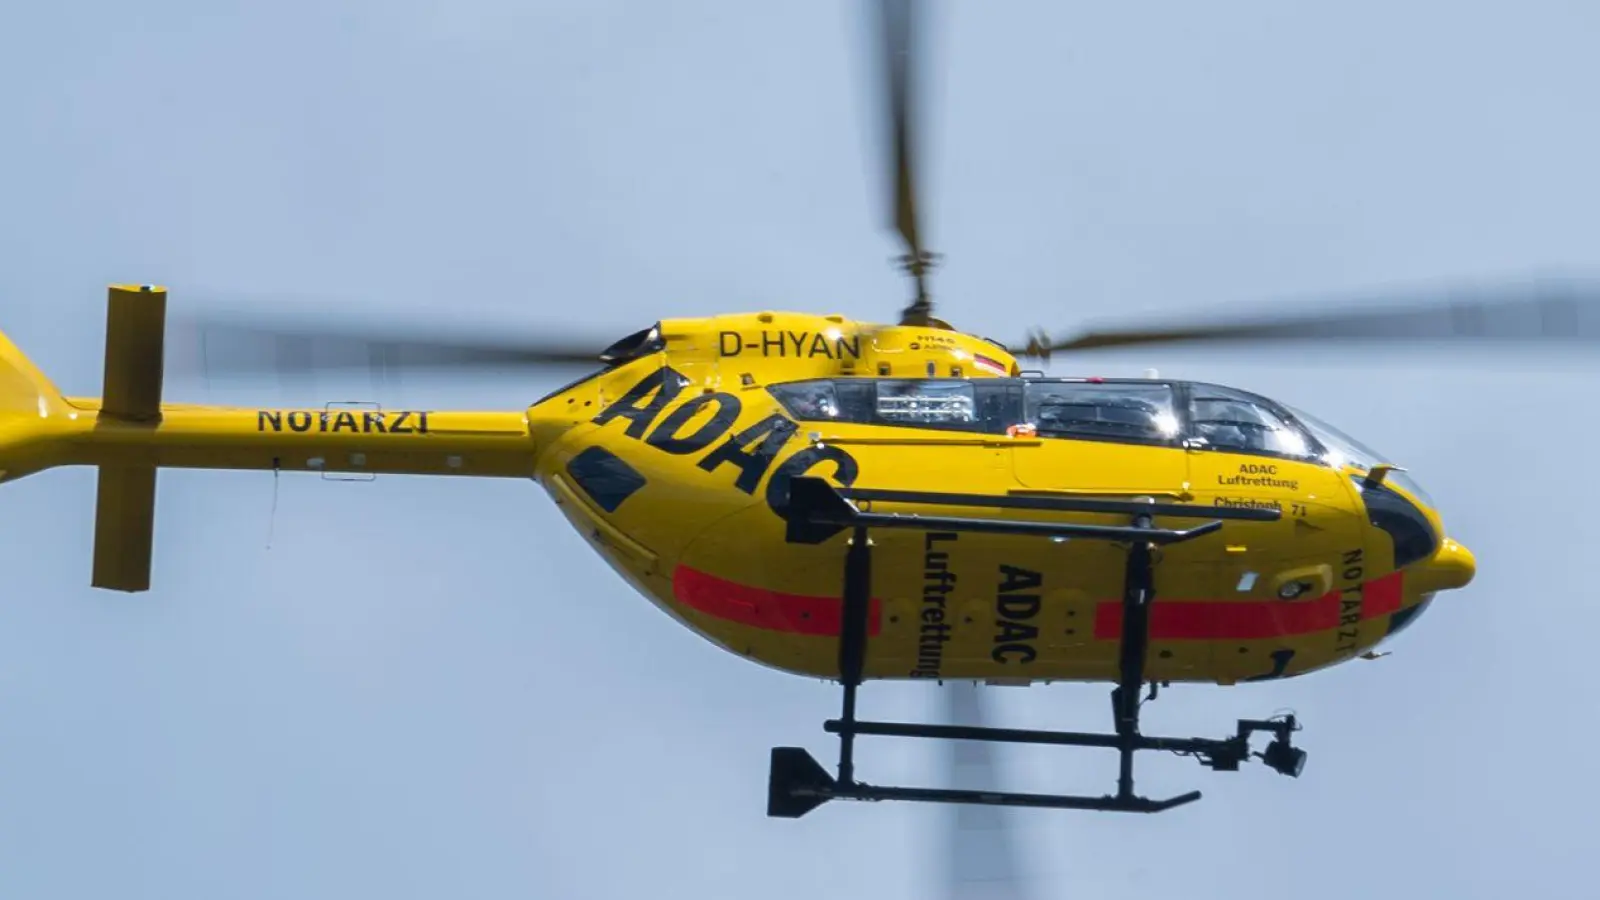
(329, 439)
(129, 433)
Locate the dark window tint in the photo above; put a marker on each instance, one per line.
(1136, 412)
(986, 405)
(605, 477)
(1226, 419)
(940, 404)
(812, 401)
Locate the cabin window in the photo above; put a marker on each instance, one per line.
(952, 404)
(1226, 419)
(1138, 412)
(811, 401)
(943, 404)
(1141, 412)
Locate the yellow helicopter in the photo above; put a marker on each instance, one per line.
(857, 501)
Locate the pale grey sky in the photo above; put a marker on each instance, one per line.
(432, 688)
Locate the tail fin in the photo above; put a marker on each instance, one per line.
(125, 502)
(34, 418)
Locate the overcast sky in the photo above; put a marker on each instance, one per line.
(422, 688)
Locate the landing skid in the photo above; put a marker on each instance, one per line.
(817, 510)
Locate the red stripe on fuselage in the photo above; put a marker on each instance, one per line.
(1382, 596)
(1173, 620)
(761, 608)
(1250, 620)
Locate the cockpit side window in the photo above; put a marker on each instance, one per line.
(1227, 419)
(1135, 412)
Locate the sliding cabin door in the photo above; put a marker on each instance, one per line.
(1113, 440)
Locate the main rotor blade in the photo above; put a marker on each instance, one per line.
(225, 344)
(1548, 312)
(981, 846)
(901, 56)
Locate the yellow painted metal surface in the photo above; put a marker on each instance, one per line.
(675, 467)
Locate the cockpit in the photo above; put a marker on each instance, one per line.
(1160, 413)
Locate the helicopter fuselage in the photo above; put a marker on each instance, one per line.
(676, 461)
(677, 468)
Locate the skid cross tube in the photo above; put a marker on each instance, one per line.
(798, 784)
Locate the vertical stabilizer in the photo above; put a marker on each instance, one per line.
(125, 500)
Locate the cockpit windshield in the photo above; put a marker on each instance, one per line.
(1343, 450)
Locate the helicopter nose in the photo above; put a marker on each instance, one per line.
(1452, 567)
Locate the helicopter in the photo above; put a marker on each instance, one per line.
(857, 501)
